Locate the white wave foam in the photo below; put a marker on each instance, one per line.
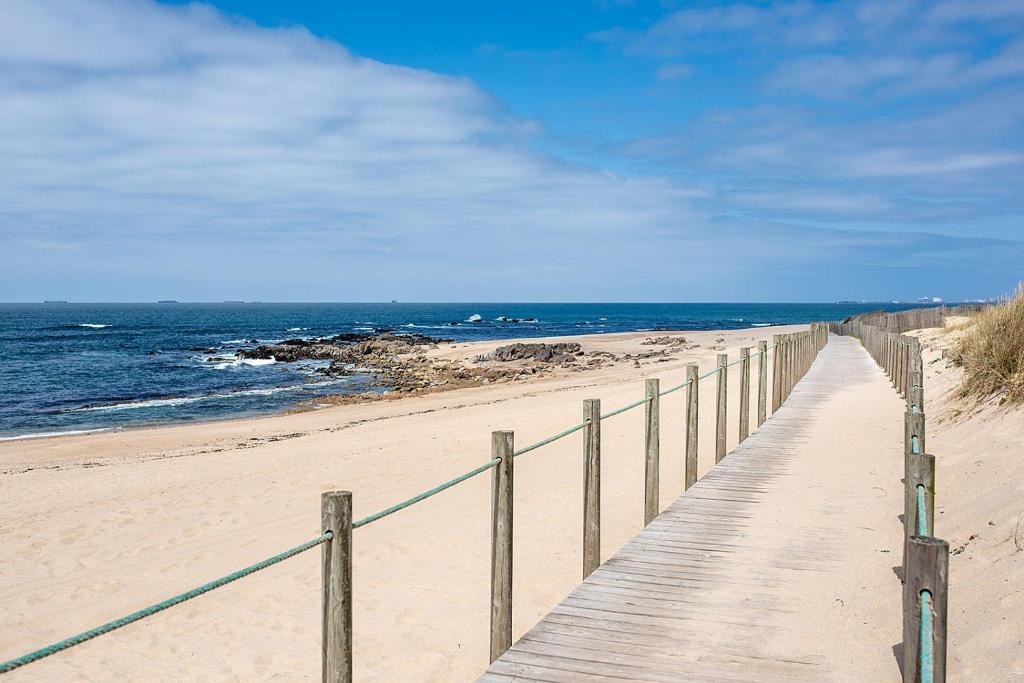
(251, 362)
(47, 435)
(94, 326)
(183, 400)
(475, 318)
(760, 324)
(297, 329)
(363, 329)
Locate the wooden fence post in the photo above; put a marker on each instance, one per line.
(787, 367)
(336, 587)
(927, 570)
(744, 393)
(920, 472)
(915, 390)
(692, 404)
(502, 447)
(720, 413)
(652, 446)
(591, 486)
(776, 372)
(762, 377)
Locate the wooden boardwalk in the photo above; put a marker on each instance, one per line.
(752, 573)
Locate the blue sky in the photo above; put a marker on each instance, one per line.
(590, 150)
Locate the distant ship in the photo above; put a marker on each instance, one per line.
(55, 301)
(167, 301)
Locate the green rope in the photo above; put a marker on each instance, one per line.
(708, 374)
(922, 515)
(675, 388)
(426, 494)
(623, 409)
(153, 609)
(926, 644)
(556, 437)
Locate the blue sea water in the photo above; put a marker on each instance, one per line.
(77, 367)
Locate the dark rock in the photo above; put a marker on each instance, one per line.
(545, 353)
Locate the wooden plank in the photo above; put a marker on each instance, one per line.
(744, 394)
(652, 449)
(502, 447)
(721, 405)
(692, 401)
(336, 586)
(591, 487)
(656, 609)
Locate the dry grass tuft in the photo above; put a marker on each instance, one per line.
(992, 351)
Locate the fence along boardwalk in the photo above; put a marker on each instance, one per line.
(705, 593)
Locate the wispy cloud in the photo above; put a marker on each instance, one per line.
(149, 148)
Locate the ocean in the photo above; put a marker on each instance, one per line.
(70, 367)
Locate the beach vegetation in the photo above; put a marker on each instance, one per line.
(991, 351)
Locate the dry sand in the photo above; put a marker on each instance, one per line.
(979, 509)
(96, 526)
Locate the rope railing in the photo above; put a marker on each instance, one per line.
(36, 655)
(925, 558)
(788, 364)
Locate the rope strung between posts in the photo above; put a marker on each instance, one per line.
(426, 494)
(926, 644)
(556, 437)
(153, 609)
(326, 536)
(922, 518)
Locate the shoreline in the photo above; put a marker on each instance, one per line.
(151, 512)
(393, 393)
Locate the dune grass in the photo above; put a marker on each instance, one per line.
(992, 351)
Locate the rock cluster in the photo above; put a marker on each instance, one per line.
(397, 361)
(664, 341)
(544, 353)
(344, 348)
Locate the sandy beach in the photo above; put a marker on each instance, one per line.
(100, 525)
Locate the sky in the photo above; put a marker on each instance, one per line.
(584, 150)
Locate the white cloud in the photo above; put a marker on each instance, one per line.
(127, 122)
(173, 144)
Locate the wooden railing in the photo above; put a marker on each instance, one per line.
(792, 356)
(925, 557)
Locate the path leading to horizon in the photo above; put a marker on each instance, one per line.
(777, 565)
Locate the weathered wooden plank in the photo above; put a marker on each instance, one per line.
(652, 611)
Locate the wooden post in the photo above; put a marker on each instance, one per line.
(591, 486)
(720, 413)
(913, 425)
(927, 570)
(652, 445)
(692, 404)
(502, 447)
(920, 472)
(762, 378)
(336, 587)
(787, 366)
(776, 372)
(915, 390)
(744, 393)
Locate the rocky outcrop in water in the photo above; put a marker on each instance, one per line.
(544, 353)
(344, 348)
